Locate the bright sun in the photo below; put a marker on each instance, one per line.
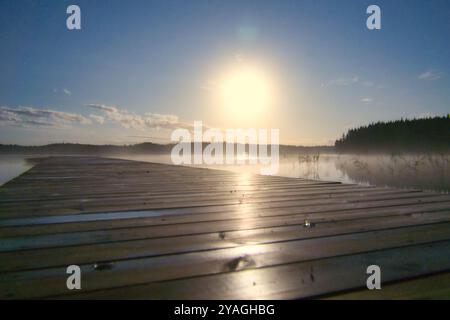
(246, 92)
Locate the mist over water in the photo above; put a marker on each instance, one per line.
(11, 166)
(420, 171)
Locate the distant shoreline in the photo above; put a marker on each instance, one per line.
(141, 148)
(154, 148)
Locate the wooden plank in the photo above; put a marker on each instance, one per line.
(290, 281)
(123, 234)
(221, 261)
(82, 205)
(183, 200)
(66, 193)
(108, 251)
(216, 221)
(434, 287)
(225, 194)
(13, 227)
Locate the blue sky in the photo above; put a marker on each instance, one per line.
(139, 69)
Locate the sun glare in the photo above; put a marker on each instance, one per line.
(246, 93)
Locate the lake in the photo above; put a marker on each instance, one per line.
(428, 172)
(11, 166)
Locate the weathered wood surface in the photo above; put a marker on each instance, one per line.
(171, 232)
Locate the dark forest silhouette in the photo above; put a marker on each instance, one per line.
(405, 135)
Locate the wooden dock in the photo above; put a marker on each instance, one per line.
(153, 231)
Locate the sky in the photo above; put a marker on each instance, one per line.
(139, 69)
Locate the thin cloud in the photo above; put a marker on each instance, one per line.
(36, 117)
(371, 101)
(67, 92)
(367, 100)
(343, 81)
(21, 116)
(103, 107)
(97, 119)
(129, 119)
(430, 75)
(350, 81)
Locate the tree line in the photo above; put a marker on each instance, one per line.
(405, 135)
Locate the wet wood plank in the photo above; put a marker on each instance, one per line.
(136, 248)
(168, 230)
(207, 262)
(291, 281)
(433, 287)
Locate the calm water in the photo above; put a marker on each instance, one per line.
(429, 172)
(11, 167)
